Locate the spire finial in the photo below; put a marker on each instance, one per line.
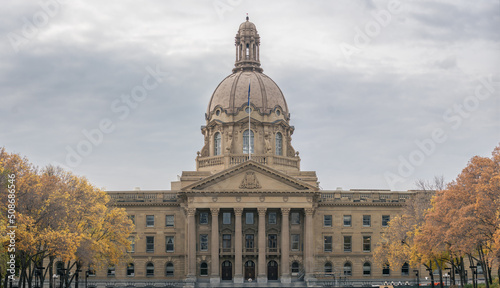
(247, 17)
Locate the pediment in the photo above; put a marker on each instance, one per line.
(250, 176)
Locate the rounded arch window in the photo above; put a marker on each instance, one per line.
(204, 269)
(130, 269)
(59, 268)
(295, 267)
(328, 268)
(367, 269)
(217, 143)
(405, 269)
(248, 142)
(279, 144)
(347, 269)
(150, 269)
(169, 269)
(386, 270)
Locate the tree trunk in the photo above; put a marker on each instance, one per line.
(440, 273)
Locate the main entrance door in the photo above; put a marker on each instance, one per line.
(272, 270)
(249, 270)
(227, 270)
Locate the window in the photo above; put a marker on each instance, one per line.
(150, 244)
(347, 243)
(169, 269)
(226, 242)
(132, 217)
(327, 243)
(405, 270)
(130, 269)
(328, 268)
(169, 243)
(249, 218)
(169, 220)
(347, 221)
(245, 142)
(367, 243)
(111, 270)
(272, 217)
(272, 241)
(295, 242)
(132, 244)
(295, 218)
(59, 268)
(203, 218)
(347, 269)
(385, 220)
(327, 220)
(279, 144)
(249, 242)
(386, 270)
(203, 269)
(150, 269)
(295, 267)
(203, 242)
(150, 220)
(226, 218)
(479, 268)
(367, 269)
(217, 143)
(91, 271)
(367, 220)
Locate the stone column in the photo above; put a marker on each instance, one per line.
(309, 244)
(238, 246)
(215, 276)
(261, 277)
(191, 249)
(285, 246)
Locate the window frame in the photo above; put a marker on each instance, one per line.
(150, 245)
(217, 144)
(295, 218)
(295, 241)
(245, 142)
(279, 144)
(203, 242)
(132, 244)
(274, 217)
(367, 243)
(347, 272)
(150, 220)
(148, 269)
(349, 243)
(228, 218)
(367, 220)
(367, 272)
(385, 220)
(169, 264)
(203, 218)
(327, 220)
(347, 220)
(203, 270)
(167, 244)
(128, 269)
(251, 218)
(167, 217)
(327, 243)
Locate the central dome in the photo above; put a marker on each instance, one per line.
(232, 94)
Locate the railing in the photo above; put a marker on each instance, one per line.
(365, 196)
(138, 196)
(236, 159)
(211, 161)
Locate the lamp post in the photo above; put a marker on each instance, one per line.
(54, 277)
(62, 274)
(451, 275)
(430, 274)
(446, 279)
(86, 277)
(418, 278)
(474, 275)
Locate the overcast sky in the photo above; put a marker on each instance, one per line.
(380, 93)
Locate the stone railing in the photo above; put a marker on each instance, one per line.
(142, 196)
(373, 196)
(226, 161)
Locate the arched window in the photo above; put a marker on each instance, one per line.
(59, 268)
(245, 142)
(347, 269)
(479, 268)
(367, 269)
(204, 269)
(328, 268)
(130, 269)
(279, 144)
(169, 269)
(248, 51)
(295, 267)
(150, 269)
(405, 269)
(386, 270)
(217, 143)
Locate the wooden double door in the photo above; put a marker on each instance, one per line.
(249, 270)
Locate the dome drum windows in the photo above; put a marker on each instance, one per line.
(246, 142)
(279, 144)
(217, 144)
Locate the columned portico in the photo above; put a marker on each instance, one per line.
(238, 246)
(285, 246)
(215, 275)
(261, 277)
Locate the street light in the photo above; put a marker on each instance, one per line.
(62, 273)
(474, 275)
(446, 279)
(54, 277)
(418, 279)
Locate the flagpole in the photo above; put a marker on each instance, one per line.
(249, 131)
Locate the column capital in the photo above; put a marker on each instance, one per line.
(285, 211)
(238, 211)
(309, 211)
(214, 211)
(190, 211)
(262, 211)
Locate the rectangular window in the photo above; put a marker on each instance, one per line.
(327, 220)
(272, 242)
(272, 217)
(132, 244)
(203, 242)
(327, 244)
(386, 270)
(111, 270)
(367, 243)
(226, 242)
(169, 242)
(249, 218)
(347, 220)
(169, 220)
(295, 242)
(347, 243)
(203, 218)
(295, 218)
(150, 220)
(385, 220)
(367, 220)
(226, 218)
(150, 244)
(249, 242)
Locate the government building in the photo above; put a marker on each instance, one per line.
(248, 215)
